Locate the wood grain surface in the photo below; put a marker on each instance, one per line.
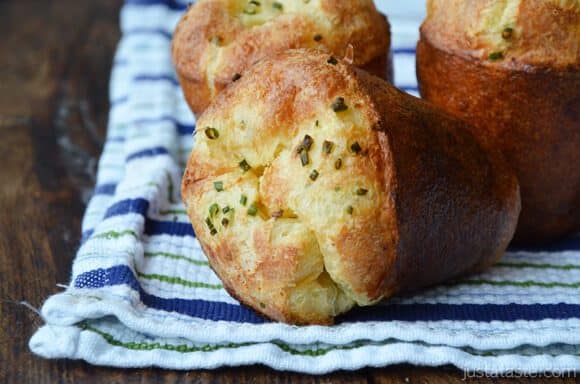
(55, 58)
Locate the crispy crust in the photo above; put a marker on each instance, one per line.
(532, 115)
(436, 204)
(338, 23)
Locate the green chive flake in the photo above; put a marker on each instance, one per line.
(332, 60)
(212, 229)
(338, 163)
(252, 210)
(304, 159)
(243, 200)
(494, 56)
(212, 133)
(225, 222)
(361, 191)
(338, 105)
(507, 33)
(313, 175)
(225, 209)
(327, 146)
(213, 209)
(218, 185)
(277, 5)
(355, 147)
(306, 144)
(349, 209)
(244, 165)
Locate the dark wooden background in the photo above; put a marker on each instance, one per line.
(55, 58)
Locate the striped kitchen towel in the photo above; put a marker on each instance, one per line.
(142, 293)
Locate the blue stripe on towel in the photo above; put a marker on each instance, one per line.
(159, 77)
(182, 129)
(121, 274)
(210, 310)
(105, 189)
(173, 228)
(123, 207)
(149, 152)
(404, 51)
(171, 4)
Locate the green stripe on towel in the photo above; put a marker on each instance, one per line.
(178, 280)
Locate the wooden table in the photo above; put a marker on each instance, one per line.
(55, 58)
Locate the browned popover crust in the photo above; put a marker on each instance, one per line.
(215, 40)
(526, 104)
(428, 203)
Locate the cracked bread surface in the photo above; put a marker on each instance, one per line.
(338, 190)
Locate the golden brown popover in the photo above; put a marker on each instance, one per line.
(314, 186)
(512, 69)
(216, 40)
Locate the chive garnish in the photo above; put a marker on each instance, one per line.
(236, 77)
(361, 191)
(244, 165)
(218, 185)
(355, 147)
(336, 189)
(304, 158)
(213, 209)
(349, 209)
(339, 105)
(306, 144)
(277, 5)
(225, 222)
(251, 8)
(252, 210)
(327, 146)
(212, 133)
(243, 200)
(313, 175)
(262, 305)
(338, 163)
(507, 33)
(495, 56)
(317, 37)
(316, 123)
(225, 209)
(212, 229)
(332, 60)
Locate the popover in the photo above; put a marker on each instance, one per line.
(216, 40)
(512, 69)
(314, 186)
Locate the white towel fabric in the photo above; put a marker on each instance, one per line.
(142, 293)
